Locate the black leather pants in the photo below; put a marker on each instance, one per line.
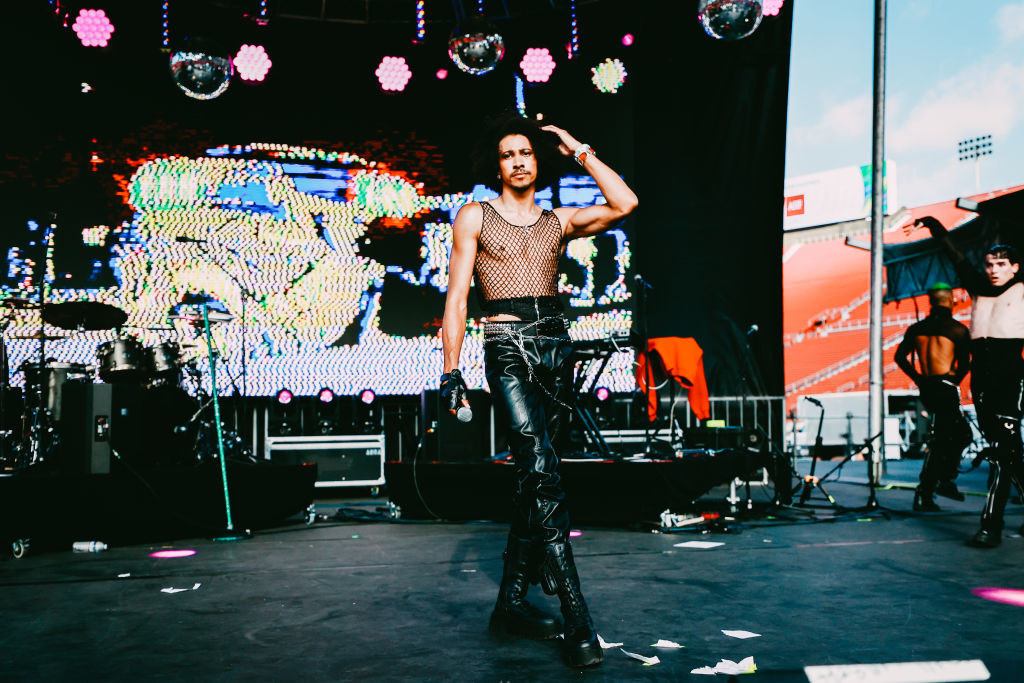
(950, 432)
(997, 383)
(529, 375)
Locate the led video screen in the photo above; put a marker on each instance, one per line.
(320, 268)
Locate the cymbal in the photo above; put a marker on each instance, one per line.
(18, 302)
(85, 315)
(213, 316)
(44, 337)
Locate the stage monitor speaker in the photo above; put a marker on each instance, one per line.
(717, 438)
(87, 411)
(447, 439)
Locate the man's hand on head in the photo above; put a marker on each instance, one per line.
(567, 144)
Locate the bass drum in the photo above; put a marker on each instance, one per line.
(121, 360)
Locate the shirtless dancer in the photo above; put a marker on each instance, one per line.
(513, 247)
(943, 352)
(997, 369)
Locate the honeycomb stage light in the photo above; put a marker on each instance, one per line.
(325, 395)
(285, 396)
(537, 64)
(367, 396)
(252, 63)
(608, 76)
(93, 27)
(393, 73)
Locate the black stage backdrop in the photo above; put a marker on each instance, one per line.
(710, 143)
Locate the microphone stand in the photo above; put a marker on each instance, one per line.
(810, 481)
(641, 289)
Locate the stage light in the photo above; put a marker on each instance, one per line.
(325, 395)
(442, 74)
(367, 396)
(93, 27)
(284, 397)
(627, 39)
(575, 534)
(772, 7)
(393, 73)
(475, 46)
(729, 19)
(165, 554)
(602, 393)
(609, 75)
(537, 64)
(421, 21)
(252, 63)
(574, 30)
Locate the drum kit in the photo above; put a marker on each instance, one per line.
(31, 419)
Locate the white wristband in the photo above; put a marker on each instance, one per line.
(581, 153)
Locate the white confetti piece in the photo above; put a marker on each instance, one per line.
(648, 661)
(703, 545)
(606, 645)
(666, 643)
(741, 634)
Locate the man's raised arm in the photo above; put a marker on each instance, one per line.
(595, 219)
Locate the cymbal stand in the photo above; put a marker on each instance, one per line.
(41, 420)
(211, 354)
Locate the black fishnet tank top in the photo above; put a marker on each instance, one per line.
(517, 261)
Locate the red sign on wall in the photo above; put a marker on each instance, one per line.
(795, 205)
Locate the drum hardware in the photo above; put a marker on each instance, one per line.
(18, 302)
(40, 336)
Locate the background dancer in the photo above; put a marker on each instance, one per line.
(513, 247)
(997, 369)
(943, 352)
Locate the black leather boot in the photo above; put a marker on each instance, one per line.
(949, 490)
(559, 577)
(923, 502)
(512, 613)
(986, 538)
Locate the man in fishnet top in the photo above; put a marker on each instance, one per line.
(513, 247)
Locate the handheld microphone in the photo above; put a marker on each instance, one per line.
(188, 240)
(815, 401)
(464, 414)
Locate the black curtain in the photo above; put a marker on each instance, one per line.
(710, 133)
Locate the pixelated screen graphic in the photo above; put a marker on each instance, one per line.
(328, 269)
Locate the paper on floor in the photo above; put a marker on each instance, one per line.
(697, 544)
(606, 645)
(729, 667)
(648, 661)
(741, 634)
(666, 643)
(180, 590)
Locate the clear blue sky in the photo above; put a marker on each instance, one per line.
(954, 70)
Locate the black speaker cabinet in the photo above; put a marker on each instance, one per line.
(446, 439)
(87, 418)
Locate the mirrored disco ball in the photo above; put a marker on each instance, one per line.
(201, 68)
(475, 46)
(729, 19)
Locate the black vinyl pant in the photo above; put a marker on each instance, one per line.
(526, 373)
(997, 382)
(950, 432)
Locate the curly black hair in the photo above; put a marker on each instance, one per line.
(486, 169)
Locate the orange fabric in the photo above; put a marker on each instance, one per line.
(684, 361)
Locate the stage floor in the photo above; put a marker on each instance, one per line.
(410, 601)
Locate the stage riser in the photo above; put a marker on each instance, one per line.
(599, 492)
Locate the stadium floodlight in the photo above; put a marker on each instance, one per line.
(973, 149)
